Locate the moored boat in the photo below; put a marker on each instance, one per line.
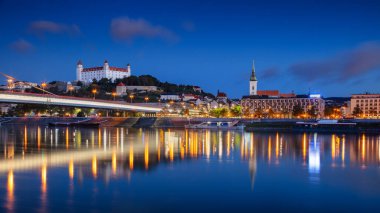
(222, 125)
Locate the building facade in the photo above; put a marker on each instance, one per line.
(170, 97)
(121, 89)
(367, 104)
(105, 71)
(275, 93)
(282, 105)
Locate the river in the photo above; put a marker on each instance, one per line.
(46, 169)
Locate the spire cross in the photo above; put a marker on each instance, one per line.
(253, 76)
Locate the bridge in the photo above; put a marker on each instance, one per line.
(50, 99)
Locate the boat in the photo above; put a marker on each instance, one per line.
(84, 123)
(222, 125)
(326, 122)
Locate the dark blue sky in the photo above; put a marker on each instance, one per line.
(331, 47)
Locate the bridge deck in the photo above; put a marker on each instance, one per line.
(33, 98)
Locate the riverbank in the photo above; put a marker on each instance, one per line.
(252, 125)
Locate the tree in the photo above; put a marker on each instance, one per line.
(246, 112)
(297, 110)
(236, 111)
(270, 113)
(81, 114)
(285, 113)
(79, 83)
(312, 112)
(218, 112)
(357, 111)
(329, 111)
(185, 112)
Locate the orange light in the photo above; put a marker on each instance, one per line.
(114, 166)
(67, 138)
(146, 155)
(10, 190)
(94, 167)
(171, 151)
(38, 137)
(10, 185)
(71, 169)
(131, 157)
(25, 137)
(44, 177)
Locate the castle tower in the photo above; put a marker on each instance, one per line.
(253, 81)
(129, 68)
(106, 66)
(79, 70)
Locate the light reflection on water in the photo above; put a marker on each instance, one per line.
(114, 154)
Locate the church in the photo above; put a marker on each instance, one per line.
(280, 104)
(105, 71)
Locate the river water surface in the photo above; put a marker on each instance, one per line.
(46, 169)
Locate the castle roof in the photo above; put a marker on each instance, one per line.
(90, 69)
(221, 95)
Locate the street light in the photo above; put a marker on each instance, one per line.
(10, 83)
(94, 92)
(71, 88)
(43, 85)
(114, 95)
(146, 99)
(131, 96)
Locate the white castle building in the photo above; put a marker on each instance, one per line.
(106, 71)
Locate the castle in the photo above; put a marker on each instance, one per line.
(105, 71)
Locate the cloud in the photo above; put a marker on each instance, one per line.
(269, 73)
(188, 26)
(40, 28)
(128, 29)
(343, 67)
(22, 46)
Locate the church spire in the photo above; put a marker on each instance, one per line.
(253, 75)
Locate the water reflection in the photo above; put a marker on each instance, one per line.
(108, 153)
(10, 196)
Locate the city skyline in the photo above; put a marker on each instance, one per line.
(298, 46)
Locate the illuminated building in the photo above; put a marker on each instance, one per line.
(275, 94)
(369, 104)
(167, 97)
(105, 71)
(281, 105)
(276, 102)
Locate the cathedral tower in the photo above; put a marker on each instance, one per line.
(253, 81)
